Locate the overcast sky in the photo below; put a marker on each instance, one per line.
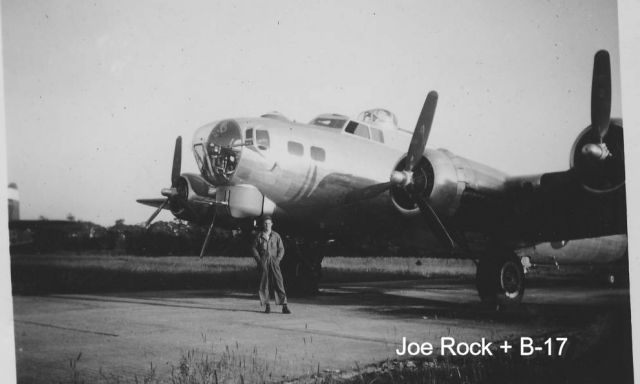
(97, 91)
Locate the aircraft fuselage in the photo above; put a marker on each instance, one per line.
(309, 172)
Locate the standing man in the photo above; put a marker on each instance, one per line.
(268, 251)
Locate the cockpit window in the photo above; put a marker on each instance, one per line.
(376, 135)
(358, 129)
(262, 139)
(328, 122)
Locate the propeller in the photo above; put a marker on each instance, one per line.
(601, 94)
(156, 213)
(598, 153)
(600, 107)
(177, 162)
(421, 132)
(405, 178)
(434, 222)
(175, 177)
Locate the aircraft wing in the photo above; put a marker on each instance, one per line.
(560, 208)
(152, 202)
(196, 201)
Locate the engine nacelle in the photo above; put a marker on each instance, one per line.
(243, 201)
(188, 189)
(444, 178)
(600, 166)
(194, 200)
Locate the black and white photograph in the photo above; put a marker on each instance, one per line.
(316, 192)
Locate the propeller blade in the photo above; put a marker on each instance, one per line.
(367, 192)
(601, 94)
(153, 216)
(421, 133)
(177, 162)
(208, 237)
(433, 221)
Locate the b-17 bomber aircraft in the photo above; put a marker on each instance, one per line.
(335, 177)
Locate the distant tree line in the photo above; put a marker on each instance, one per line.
(178, 238)
(161, 238)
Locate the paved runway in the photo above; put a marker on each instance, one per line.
(347, 326)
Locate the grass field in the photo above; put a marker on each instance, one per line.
(48, 273)
(90, 273)
(192, 264)
(400, 266)
(137, 264)
(70, 273)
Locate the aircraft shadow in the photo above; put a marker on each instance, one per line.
(461, 303)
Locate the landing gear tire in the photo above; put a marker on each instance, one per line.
(500, 280)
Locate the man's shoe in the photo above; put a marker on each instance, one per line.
(267, 309)
(286, 310)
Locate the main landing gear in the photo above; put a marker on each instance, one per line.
(500, 279)
(301, 268)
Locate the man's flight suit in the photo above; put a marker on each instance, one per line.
(268, 250)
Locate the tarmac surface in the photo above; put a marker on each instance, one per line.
(94, 337)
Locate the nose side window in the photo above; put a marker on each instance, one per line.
(295, 148)
(262, 139)
(317, 154)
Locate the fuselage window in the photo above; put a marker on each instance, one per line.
(377, 135)
(249, 135)
(358, 129)
(317, 154)
(295, 149)
(262, 139)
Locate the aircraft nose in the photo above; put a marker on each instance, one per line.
(225, 134)
(223, 148)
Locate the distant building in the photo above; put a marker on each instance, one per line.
(14, 202)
